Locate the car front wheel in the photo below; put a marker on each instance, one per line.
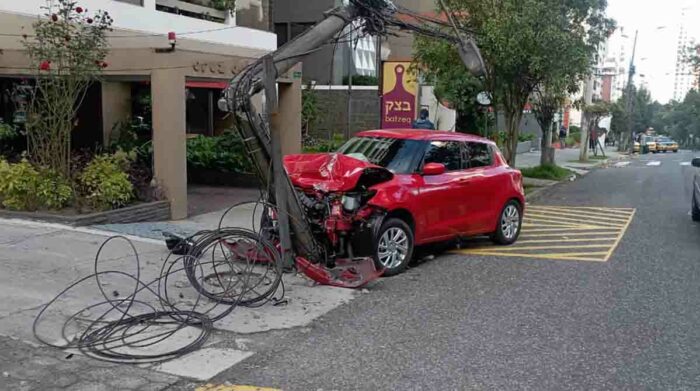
(509, 224)
(393, 247)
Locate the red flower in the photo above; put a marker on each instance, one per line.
(54, 17)
(89, 20)
(79, 10)
(45, 66)
(104, 64)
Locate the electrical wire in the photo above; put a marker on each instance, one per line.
(172, 314)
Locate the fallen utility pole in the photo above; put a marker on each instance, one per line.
(262, 141)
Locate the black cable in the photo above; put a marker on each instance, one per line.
(133, 329)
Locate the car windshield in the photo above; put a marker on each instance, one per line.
(665, 140)
(396, 155)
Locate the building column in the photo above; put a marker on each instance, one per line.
(116, 107)
(169, 138)
(289, 111)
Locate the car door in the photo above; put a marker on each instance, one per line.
(441, 208)
(479, 188)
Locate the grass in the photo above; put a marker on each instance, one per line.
(529, 188)
(550, 172)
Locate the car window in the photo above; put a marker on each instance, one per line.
(396, 155)
(479, 155)
(448, 153)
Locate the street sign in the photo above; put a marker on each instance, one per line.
(484, 98)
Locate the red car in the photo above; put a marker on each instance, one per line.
(387, 191)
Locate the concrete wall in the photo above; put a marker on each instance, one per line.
(333, 111)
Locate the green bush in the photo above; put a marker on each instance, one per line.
(224, 153)
(525, 137)
(105, 183)
(361, 80)
(314, 145)
(573, 139)
(7, 131)
(550, 171)
(23, 187)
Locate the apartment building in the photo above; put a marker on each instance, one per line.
(182, 84)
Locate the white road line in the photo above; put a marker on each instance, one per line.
(685, 163)
(203, 364)
(622, 164)
(654, 163)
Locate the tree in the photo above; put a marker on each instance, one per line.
(67, 51)
(525, 43)
(594, 113)
(643, 114)
(440, 65)
(547, 101)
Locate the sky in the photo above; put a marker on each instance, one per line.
(658, 22)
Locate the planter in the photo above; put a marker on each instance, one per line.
(150, 211)
(204, 176)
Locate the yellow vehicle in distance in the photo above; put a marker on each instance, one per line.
(665, 144)
(645, 144)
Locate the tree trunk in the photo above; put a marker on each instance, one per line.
(585, 131)
(547, 152)
(511, 142)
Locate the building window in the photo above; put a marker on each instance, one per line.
(281, 29)
(134, 2)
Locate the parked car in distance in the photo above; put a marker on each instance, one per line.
(695, 205)
(403, 188)
(665, 144)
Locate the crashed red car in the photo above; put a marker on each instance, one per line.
(386, 191)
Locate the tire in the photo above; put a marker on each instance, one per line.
(511, 213)
(675, 151)
(695, 209)
(393, 236)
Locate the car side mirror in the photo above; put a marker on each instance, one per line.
(434, 169)
(696, 162)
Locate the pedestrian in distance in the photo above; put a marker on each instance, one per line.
(562, 137)
(423, 122)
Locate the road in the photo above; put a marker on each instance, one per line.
(509, 322)
(601, 292)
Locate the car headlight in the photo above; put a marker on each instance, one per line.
(350, 203)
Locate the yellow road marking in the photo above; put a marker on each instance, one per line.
(225, 387)
(567, 234)
(619, 238)
(567, 240)
(517, 248)
(541, 217)
(588, 233)
(554, 257)
(556, 213)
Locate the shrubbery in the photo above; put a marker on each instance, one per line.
(23, 187)
(224, 153)
(105, 183)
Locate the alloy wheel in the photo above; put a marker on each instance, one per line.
(510, 222)
(393, 247)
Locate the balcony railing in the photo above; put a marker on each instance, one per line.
(200, 9)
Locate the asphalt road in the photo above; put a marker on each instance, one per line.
(484, 322)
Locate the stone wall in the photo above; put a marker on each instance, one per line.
(333, 111)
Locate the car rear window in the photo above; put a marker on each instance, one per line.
(479, 155)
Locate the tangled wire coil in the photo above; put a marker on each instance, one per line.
(173, 314)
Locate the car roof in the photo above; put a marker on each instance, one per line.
(414, 134)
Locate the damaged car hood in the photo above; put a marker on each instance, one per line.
(333, 172)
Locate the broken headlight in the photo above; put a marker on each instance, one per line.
(350, 202)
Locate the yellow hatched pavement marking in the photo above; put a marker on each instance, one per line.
(566, 233)
(226, 387)
(552, 213)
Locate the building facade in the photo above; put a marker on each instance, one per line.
(684, 78)
(180, 86)
(352, 54)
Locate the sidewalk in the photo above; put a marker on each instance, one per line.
(567, 158)
(38, 260)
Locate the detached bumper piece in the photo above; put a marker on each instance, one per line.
(348, 273)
